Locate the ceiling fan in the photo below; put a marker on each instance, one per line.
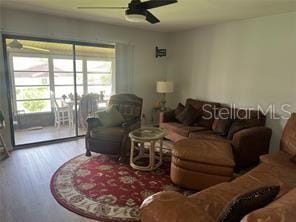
(15, 44)
(137, 11)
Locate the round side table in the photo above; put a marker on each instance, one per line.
(141, 136)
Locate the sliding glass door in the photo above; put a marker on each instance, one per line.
(48, 81)
(98, 66)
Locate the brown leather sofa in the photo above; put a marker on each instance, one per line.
(247, 134)
(205, 206)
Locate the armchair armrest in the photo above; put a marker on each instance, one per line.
(249, 144)
(131, 124)
(168, 116)
(92, 122)
(171, 206)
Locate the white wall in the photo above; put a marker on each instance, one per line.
(246, 62)
(146, 68)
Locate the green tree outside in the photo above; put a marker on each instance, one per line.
(32, 93)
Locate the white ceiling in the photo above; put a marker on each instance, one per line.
(185, 14)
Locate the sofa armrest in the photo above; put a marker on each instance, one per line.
(168, 116)
(249, 144)
(171, 206)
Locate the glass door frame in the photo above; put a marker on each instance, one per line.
(8, 77)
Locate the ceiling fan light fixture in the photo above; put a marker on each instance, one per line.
(135, 16)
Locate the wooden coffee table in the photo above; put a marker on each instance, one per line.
(149, 136)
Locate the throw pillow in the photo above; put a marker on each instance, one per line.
(179, 109)
(282, 209)
(208, 114)
(248, 202)
(110, 117)
(236, 126)
(222, 121)
(222, 126)
(293, 158)
(189, 115)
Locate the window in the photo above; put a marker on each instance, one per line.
(64, 77)
(31, 84)
(44, 77)
(34, 78)
(99, 77)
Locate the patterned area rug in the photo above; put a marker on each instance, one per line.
(101, 188)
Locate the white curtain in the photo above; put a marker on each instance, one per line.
(124, 78)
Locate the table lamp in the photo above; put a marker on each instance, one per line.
(164, 87)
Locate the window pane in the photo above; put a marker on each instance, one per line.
(31, 78)
(63, 90)
(67, 78)
(34, 106)
(66, 65)
(30, 64)
(67, 90)
(97, 89)
(99, 79)
(80, 91)
(78, 65)
(99, 66)
(38, 92)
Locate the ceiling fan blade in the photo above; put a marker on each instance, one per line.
(151, 18)
(155, 3)
(36, 48)
(15, 44)
(94, 7)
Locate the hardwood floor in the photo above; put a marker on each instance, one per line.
(24, 184)
(45, 134)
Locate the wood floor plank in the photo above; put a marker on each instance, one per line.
(24, 184)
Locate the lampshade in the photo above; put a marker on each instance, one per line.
(164, 87)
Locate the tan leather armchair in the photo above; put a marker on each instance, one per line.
(115, 140)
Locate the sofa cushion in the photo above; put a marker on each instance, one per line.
(288, 140)
(180, 128)
(204, 151)
(248, 202)
(281, 159)
(207, 108)
(189, 115)
(169, 205)
(175, 137)
(108, 134)
(208, 135)
(265, 175)
(282, 209)
(179, 109)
